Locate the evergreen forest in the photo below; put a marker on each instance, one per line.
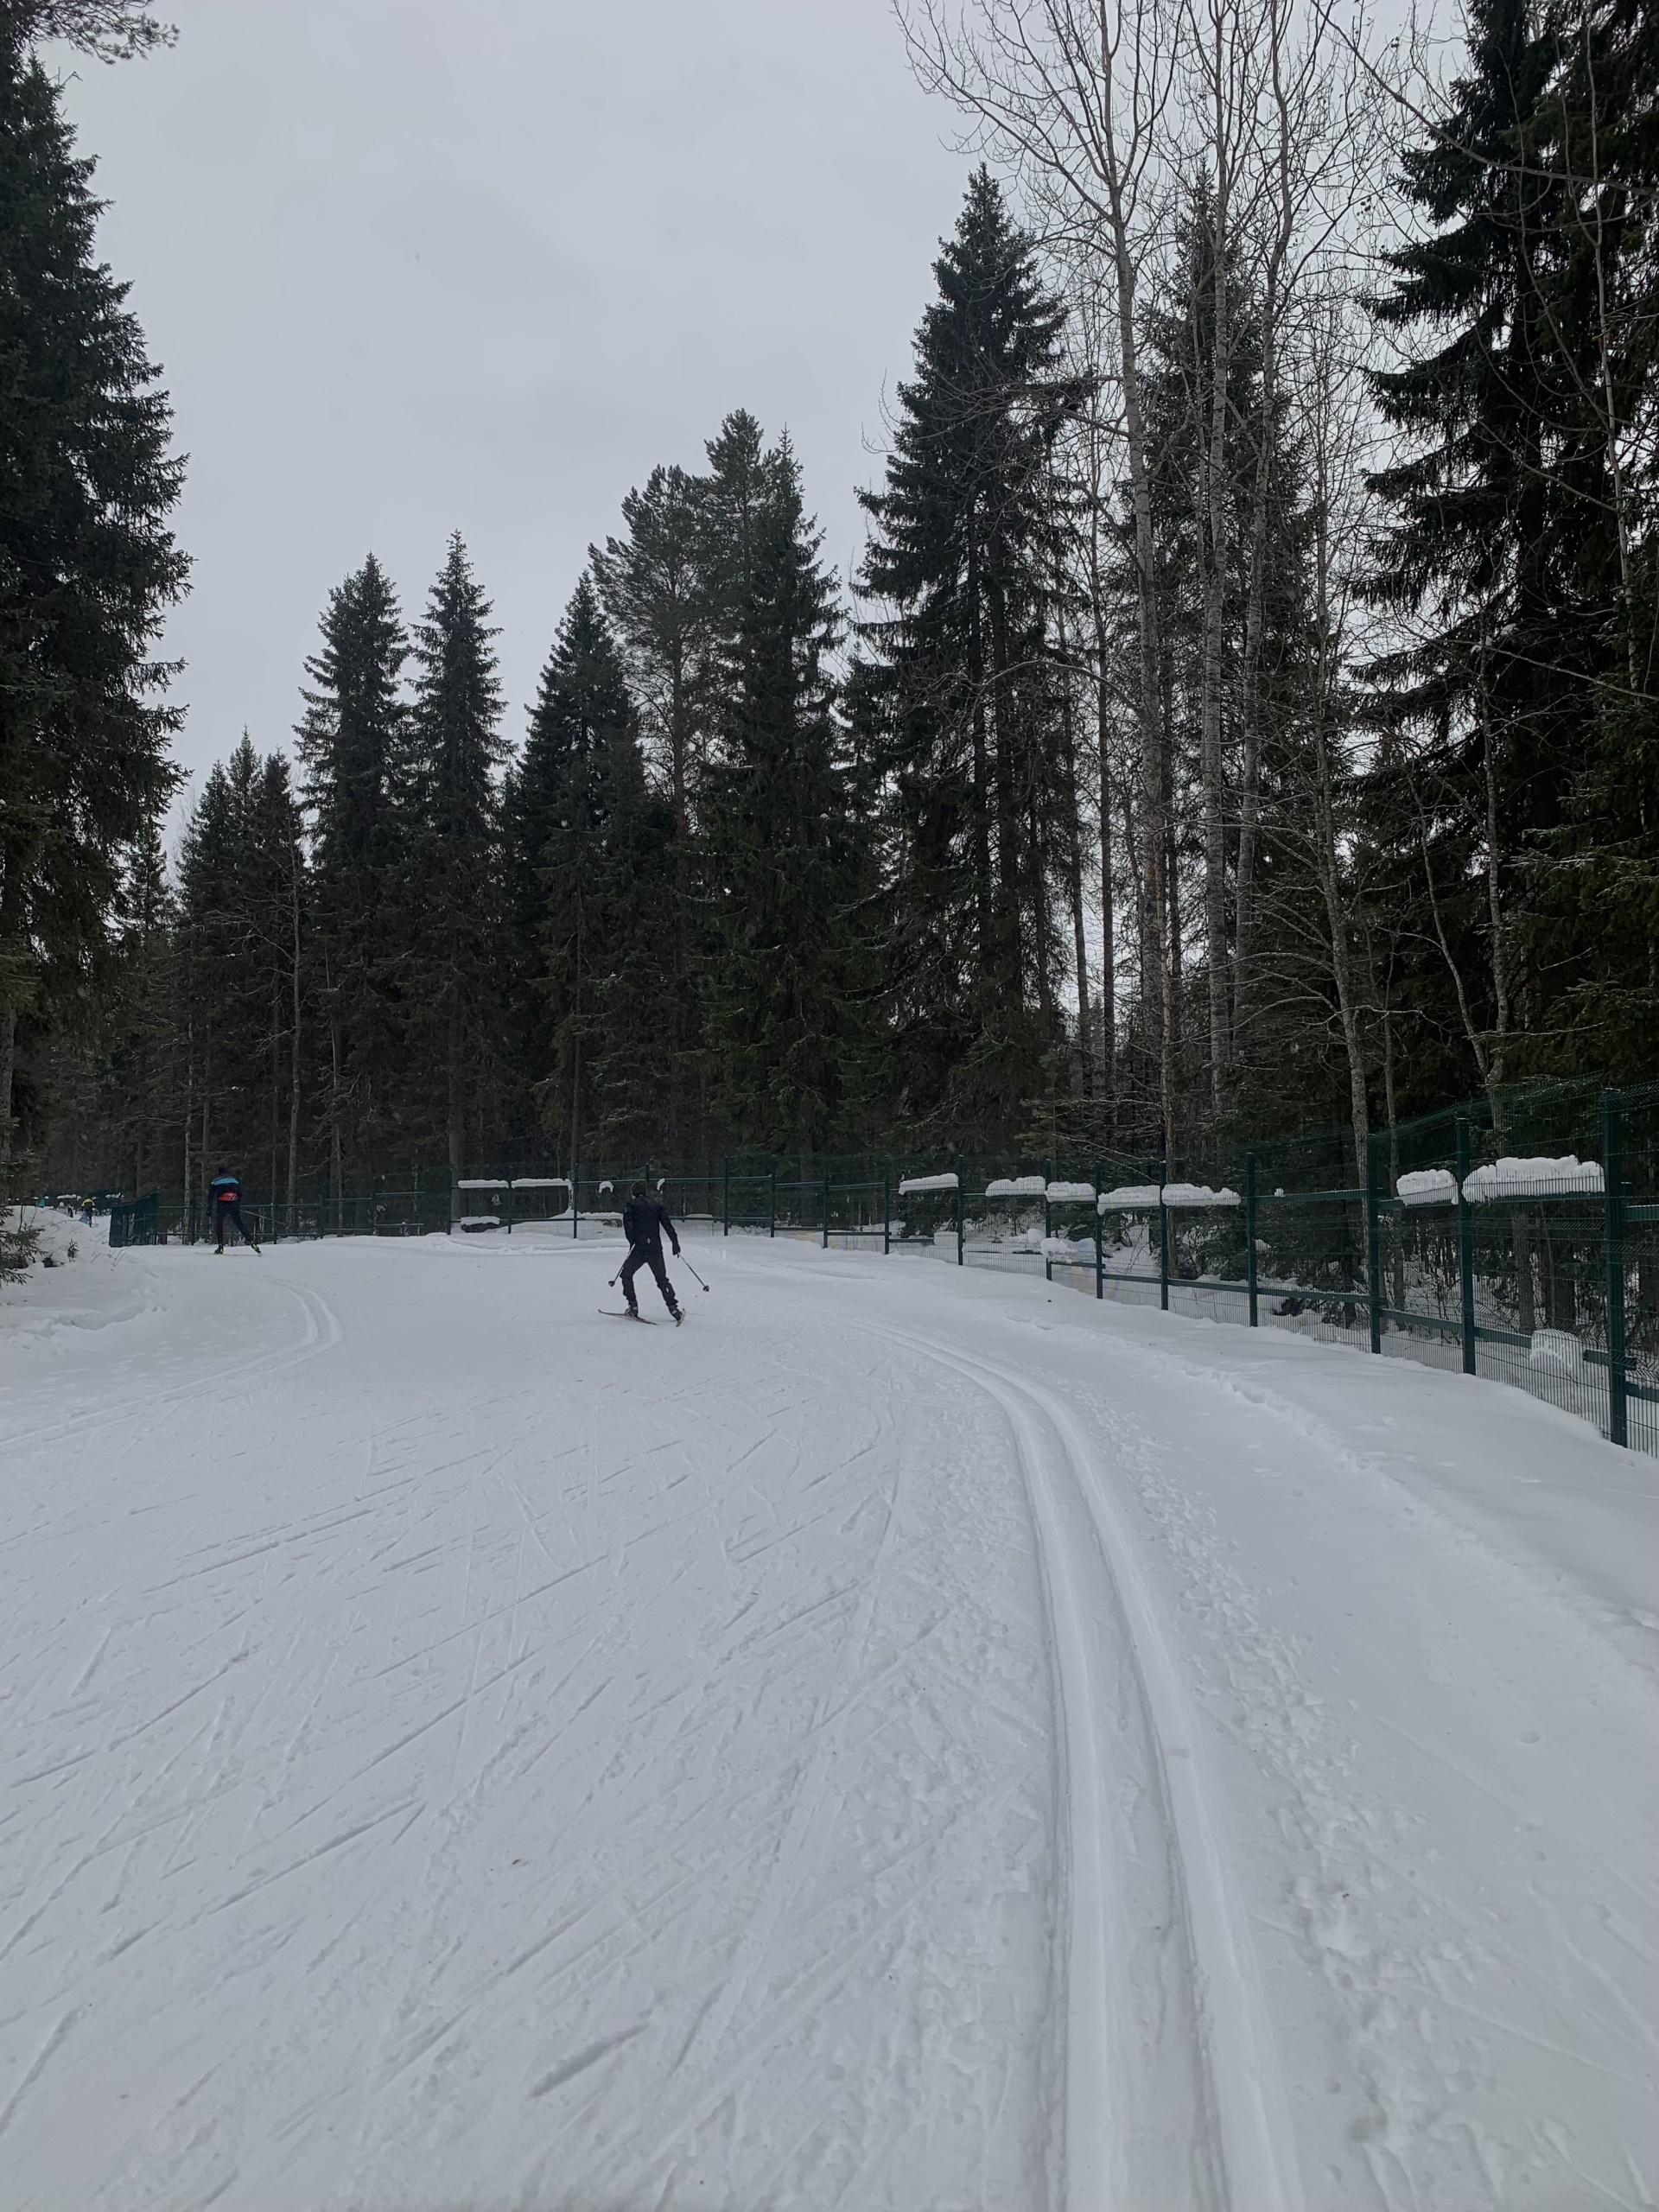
(1244, 715)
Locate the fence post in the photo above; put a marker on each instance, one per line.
(1100, 1247)
(1048, 1221)
(886, 1207)
(726, 1196)
(576, 1209)
(826, 1213)
(1612, 1173)
(1163, 1239)
(1466, 1249)
(771, 1202)
(962, 1196)
(1373, 1242)
(1249, 1234)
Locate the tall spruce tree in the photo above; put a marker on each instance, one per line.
(144, 1008)
(87, 564)
(449, 972)
(653, 583)
(1478, 702)
(960, 689)
(242, 897)
(596, 902)
(779, 849)
(1593, 885)
(354, 741)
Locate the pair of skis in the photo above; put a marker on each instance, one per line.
(633, 1313)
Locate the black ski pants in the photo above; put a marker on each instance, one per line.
(224, 1214)
(647, 1256)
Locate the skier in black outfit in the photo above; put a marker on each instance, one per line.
(644, 1220)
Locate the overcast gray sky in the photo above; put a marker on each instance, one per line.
(420, 265)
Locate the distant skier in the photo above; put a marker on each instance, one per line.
(644, 1220)
(226, 1193)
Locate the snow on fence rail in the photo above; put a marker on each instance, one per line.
(1508, 1178)
(1427, 1186)
(1198, 1196)
(914, 1183)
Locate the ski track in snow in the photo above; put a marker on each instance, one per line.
(910, 1738)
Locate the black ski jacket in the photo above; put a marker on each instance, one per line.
(644, 1221)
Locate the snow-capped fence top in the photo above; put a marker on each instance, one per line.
(1071, 1194)
(542, 1183)
(1532, 1179)
(1010, 1186)
(926, 1183)
(484, 1183)
(1130, 1197)
(1427, 1186)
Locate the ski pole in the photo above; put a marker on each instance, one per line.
(695, 1277)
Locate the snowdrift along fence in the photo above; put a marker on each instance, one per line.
(1515, 1236)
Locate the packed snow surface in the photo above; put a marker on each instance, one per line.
(1427, 1186)
(913, 1737)
(1532, 1179)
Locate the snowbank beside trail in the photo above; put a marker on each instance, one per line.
(75, 1281)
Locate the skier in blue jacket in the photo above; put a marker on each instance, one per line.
(225, 1193)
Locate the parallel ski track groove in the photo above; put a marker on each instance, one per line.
(1237, 2054)
(322, 1332)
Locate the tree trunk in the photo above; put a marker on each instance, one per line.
(1329, 862)
(1494, 900)
(1074, 855)
(8, 1063)
(1213, 541)
(1153, 811)
(294, 1047)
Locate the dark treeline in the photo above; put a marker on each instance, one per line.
(1243, 715)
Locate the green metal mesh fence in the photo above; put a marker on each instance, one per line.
(1515, 1236)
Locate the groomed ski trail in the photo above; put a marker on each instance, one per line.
(1235, 2080)
(929, 1739)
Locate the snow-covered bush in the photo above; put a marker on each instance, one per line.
(19, 1241)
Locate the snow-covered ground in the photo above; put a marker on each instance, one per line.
(912, 1738)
